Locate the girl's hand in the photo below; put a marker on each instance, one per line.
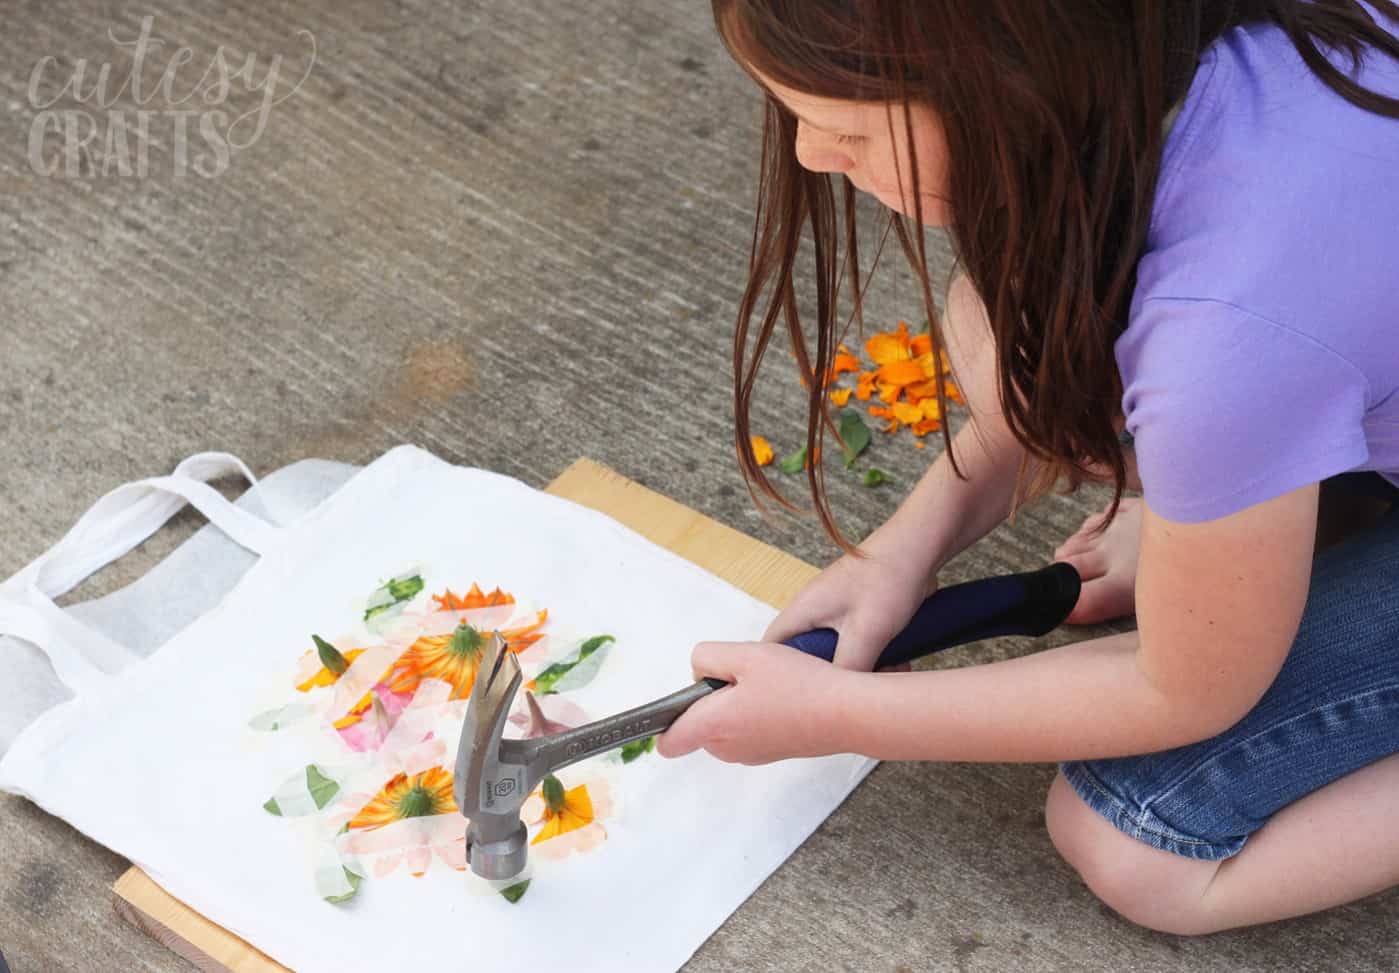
(783, 703)
(866, 600)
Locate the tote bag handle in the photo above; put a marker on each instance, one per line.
(82, 657)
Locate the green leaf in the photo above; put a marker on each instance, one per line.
(554, 678)
(515, 892)
(793, 462)
(637, 748)
(393, 592)
(330, 656)
(874, 478)
(854, 436)
(405, 589)
(553, 793)
(354, 881)
(320, 787)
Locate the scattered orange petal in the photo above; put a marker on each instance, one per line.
(843, 363)
(889, 346)
(922, 344)
(907, 414)
(840, 396)
(901, 373)
(888, 393)
(919, 444)
(922, 390)
(762, 450)
(865, 387)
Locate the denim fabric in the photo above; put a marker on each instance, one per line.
(1333, 709)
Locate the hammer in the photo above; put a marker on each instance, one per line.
(494, 776)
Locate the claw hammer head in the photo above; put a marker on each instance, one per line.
(490, 790)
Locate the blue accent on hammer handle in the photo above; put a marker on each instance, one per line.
(1031, 603)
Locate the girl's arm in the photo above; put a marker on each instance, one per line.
(944, 515)
(1218, 606)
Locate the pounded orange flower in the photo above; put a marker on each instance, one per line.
(418, 796)
(762, 450)
(564, 811)
(323, 676)
(475, 598)
(453, 658)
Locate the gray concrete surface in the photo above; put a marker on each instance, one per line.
(513, 234)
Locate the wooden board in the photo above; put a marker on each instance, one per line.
(762, 571)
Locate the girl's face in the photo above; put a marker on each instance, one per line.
(863, 139)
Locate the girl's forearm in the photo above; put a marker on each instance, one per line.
(1081, 701)
(944, 515)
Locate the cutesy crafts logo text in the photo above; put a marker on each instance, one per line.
(156, 109)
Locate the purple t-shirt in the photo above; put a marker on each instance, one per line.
(1262, 350)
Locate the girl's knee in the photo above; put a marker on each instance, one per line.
(1149, 887)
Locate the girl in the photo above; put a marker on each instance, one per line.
(1176, 226)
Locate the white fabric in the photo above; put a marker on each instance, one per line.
(151, 756)
(145, 614)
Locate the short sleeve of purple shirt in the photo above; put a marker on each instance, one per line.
(1262, 347)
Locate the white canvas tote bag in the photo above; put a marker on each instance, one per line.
(283, 764)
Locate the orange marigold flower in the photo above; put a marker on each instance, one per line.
(840, 396)
(564, 810)
(475, 598)
(453, 658)
(323, 676)
(762, 450)
(418, 796)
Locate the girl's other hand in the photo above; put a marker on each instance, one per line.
(866, 600)
(782, 703)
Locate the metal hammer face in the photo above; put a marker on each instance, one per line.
(495, 776)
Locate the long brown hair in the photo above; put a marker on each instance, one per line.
(1052, 113)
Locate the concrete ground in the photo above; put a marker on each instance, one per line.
(514, 234)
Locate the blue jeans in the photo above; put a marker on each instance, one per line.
(1333, 709)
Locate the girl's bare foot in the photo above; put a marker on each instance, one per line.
(1106, 563)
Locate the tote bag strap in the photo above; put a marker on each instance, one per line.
(82, 657)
